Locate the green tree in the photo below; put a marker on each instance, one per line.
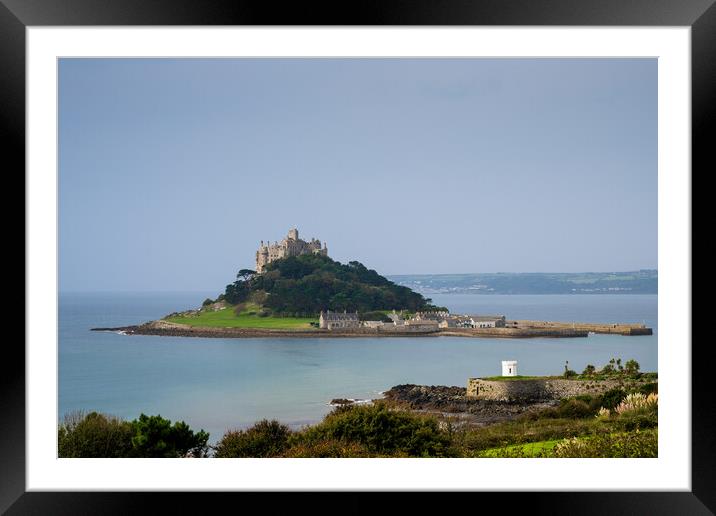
(589, 370)
(154, 436)
(631, 367)
(245, 274)
(93, 435)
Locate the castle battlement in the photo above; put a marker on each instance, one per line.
(289, 246)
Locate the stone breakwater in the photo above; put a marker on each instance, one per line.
(536, 389)
(514, 333)
(615, 328)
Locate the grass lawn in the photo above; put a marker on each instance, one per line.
(226, 318)
(513, 378)
(529, 449)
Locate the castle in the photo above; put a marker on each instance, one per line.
(289, 246)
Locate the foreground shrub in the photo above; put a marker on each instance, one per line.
(649, 388)
(326, 448)
(574, 408)
(637, 402)
(612, 398)
(154, 436)
(94, 435)
(382, 431)
(264, 439)
(627, 445)
(637, 420)
(100, 435)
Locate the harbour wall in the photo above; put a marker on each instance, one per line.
(535, 390)
(613, 328)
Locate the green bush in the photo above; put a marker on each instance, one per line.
(382, 431)
(100, 435)
(612, 398)
(326, 448)
(574, 408)
(264, 439)
(589, 370)
(629, 445)
(649, 388)
(154, 436)
(93, 435)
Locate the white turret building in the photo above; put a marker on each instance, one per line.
(509, 368)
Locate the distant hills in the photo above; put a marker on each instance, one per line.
(643, 281)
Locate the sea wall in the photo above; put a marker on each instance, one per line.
(514, 332)
(613, 328)
(535, 390)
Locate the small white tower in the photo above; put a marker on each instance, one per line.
(509, 368)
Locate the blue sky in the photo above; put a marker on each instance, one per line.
(172, 170)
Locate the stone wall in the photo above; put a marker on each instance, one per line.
(535, 390)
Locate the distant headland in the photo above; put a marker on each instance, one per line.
(297, 290)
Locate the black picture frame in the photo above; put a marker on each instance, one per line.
(16, 15)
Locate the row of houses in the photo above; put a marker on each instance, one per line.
(420, 322)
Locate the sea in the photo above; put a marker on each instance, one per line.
(225, 384)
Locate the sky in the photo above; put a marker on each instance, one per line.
(172, 170)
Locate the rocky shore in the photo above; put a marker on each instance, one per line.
(452, 401)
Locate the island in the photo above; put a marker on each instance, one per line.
(297, 290)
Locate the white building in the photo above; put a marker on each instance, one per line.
(509, 368)
(487, 321)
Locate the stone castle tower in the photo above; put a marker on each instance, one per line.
(289, 246)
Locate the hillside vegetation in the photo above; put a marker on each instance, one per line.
(302, 286)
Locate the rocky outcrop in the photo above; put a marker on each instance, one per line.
(453, 401)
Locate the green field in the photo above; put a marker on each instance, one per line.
(227, 318)
(513, 378)
(535, 449)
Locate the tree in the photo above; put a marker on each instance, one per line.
(589, 370)
(154, 436)
(631, 367)
(245, 274)
(568, 373)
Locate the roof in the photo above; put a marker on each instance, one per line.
(421, 321)
(338, 316)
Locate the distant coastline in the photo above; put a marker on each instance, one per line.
(644, 281)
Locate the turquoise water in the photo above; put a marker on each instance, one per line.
(218, 384)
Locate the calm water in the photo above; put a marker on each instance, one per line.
(217, 384)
